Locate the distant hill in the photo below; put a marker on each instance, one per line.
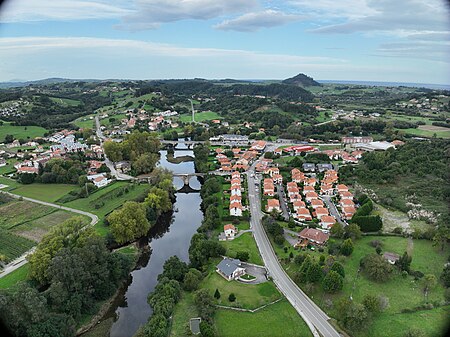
(302, 80)
(14, 84)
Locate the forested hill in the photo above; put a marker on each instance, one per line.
(302, 80)
(199, 87)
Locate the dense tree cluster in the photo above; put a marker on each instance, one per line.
(141, 148)
(76, 271)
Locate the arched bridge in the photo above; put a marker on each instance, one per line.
(187, 176)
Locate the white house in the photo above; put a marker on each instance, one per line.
(230, 231)
(235, 208)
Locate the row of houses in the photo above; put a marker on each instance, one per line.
(236, 194)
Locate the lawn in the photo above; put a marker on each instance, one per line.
(20, 132)
(12, 278)
(117, 119)
(277, 320)
(402, 292)
(200, 116)
(245, 242)
(44, 192)
(249, 296)
(184, 311)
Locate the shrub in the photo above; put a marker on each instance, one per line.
(369, 223)
(232, 297)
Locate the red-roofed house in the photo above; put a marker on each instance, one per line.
(316, 203)
(303, 214)
(311, 196)
(313, 236)
(236, 208)
(347, 212)
(327, 221)
(230, 231)
(277, 178)
(273, 204)
(320, 212)
(298, 204)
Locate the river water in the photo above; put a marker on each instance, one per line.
(169, 237)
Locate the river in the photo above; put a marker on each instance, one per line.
(169, 237)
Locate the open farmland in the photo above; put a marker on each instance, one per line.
(20, 132)
(13, 246)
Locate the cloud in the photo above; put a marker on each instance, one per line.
(331, 9)
(389, 16)
(150, 14)
(427, 50)
(251, 22)
(60, 10)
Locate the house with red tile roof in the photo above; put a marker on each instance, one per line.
(230, 231)
(327, 221)
(320, 212)
(236, 208)
(277, 178)
(311, 196)
(273, 204)
(347, 212)
(313, 236)
(341, 188)
(316, 203)
(298, 204)
(303, 214)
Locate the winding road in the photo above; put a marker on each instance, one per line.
(315, 318)
(20, 261)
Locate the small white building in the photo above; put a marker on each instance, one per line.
(230, 231)
(230, 269)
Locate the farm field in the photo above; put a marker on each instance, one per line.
(20, 132)
(44, 192)
(278, 319)
(12, 246)
(402, 292)
(118, 117)
(420, 132)
(200, 116)
(18, 212)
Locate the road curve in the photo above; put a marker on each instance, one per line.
(20, 261)
(314, 317)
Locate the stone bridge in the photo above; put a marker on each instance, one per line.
(187, 176)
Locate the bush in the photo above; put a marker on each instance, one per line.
(242, 255)
(232, 297)
(416, 274)
(369, 223)
(376, 267)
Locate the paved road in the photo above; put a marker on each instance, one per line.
(20, 261)
(109, 163)
(333, 210)
(314, 317)
(283, 205)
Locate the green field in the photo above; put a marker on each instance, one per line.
(17, 212)
(20, 132)
(249, 296)
(402, 292)
(84, 122)
(65, 101)
(118, 118)
(200, 116)
(44, 192)
(12, 278)
(245, 242)
(426, 133)
(277, 320)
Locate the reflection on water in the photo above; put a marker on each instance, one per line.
(169, 237)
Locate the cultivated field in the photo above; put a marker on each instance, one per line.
(200, 116)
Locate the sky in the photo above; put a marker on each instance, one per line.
(360, 40)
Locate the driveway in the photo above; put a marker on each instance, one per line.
(259, 272)
(333, 210)
(290, 236)
(283, 204)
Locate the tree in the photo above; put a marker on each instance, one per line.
(70, 233)
(232, 297)
(192, 279)
(442, 236)
(206, 329)
(353, 231)
(217, 294)
(145, 163)
(337, 230)
(376, 267)
(205, 304)
(445, 276)
(347, 247)
(159, 200)
(314, 273)
(372, 303)
(404, 262)
(113, 150)
(129, 222)
(174, 269)
(332, 282)
(429, 281)
(26, 178)
(355, 317)
(338, 268)
(243, 255)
